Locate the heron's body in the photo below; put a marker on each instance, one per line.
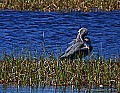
(79, 49)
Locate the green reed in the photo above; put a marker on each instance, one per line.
(61, 5)
(28, 70)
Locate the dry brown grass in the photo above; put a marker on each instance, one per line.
(61, 5)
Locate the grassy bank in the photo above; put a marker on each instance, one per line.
(26, 70)
(61, 5)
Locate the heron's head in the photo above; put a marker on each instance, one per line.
(87, 40)
(83, 31)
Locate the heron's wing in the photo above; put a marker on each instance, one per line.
(71, 43)
(84, 49)
(87, 49)
(68, 49)
(73, 48)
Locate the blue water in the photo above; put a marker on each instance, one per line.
(25, 29)
(21, 29)
(50, 89)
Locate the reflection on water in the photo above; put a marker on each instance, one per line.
(50, 89)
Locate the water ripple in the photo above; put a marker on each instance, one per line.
(18, 27)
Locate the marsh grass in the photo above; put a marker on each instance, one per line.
(27, 70)
(61, 5)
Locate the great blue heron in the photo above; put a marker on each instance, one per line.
(80, 48)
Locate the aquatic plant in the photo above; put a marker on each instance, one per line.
(61, 5)
(27, 70)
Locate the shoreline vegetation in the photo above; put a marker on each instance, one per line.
(60, 5)
(26, 70)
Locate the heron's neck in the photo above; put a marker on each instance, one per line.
(81, 38)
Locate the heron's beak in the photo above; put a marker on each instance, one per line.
(76, 39)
